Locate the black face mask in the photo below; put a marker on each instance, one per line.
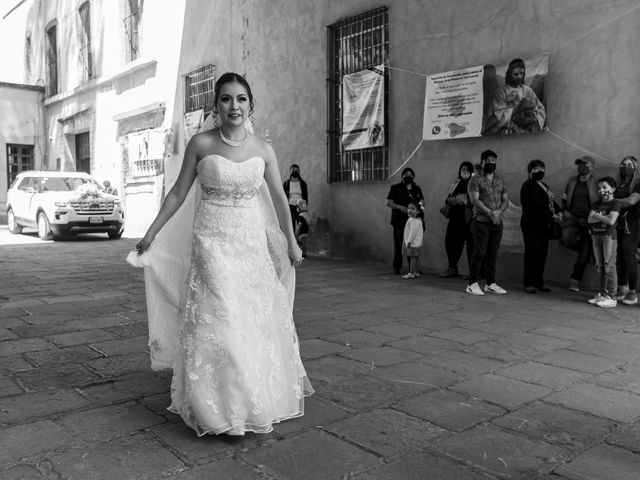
(407, 180)
(583, 169)
(295, 174)
(489, 167)
(537, 176)
(626, 171)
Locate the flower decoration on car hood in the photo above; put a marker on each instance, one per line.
(89, 192)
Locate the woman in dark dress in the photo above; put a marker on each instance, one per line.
(458, 230)
(538, 209)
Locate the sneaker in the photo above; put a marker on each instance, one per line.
(595, 299)
(408, 276)
(607, 302)
(474, 289)
(630, 298)
(449, 273)
(416, 275)
(495, 288)
(622, 292)
(574, 285)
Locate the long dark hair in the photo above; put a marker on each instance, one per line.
(231, 77)
(469, 166)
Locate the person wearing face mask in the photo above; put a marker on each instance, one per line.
(458, 229)
(579, 198)
(488, 194)
(602, 221)
(400, 196)
(538, 208)
(628, 232)
(295, 188)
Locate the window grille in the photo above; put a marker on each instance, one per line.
(19, 159)
(84, 12)
(132, 29)
(199, 89)
(355, 44)
(52, 61)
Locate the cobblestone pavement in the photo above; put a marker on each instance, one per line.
(414, 380)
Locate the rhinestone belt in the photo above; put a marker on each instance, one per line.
(235, 195)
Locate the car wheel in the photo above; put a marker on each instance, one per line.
(44, 230)
(14, 227)
(115, 235)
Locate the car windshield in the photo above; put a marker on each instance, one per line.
(63, 184)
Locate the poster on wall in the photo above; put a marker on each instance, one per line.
(363, 109)
(193, 122)
(487, 100)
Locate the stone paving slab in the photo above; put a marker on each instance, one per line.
(106, 423)
(127, 458)
(545, 375)
(450, 409)
(565, 428)
(380, 356)
(32, 439)
(525, 383)
(312, 456)
(422, 466)
(603, 402)
(626, 436)
(603, 462)
(386, 432)
(500, 453)
(501, 390)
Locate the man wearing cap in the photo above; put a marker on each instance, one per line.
(578, 200)
(399, 197)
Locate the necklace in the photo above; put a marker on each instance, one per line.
(233, 143)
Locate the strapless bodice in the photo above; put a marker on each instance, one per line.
(227, 182)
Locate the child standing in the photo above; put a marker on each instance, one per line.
(602, 226)
(412, 240)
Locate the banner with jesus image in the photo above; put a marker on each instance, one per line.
(487, 100)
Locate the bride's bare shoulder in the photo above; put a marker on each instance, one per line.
(263, 149)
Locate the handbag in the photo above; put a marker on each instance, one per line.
(554, 229)
(445, 210)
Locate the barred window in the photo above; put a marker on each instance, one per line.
(19, 159)
(132, 14)
(52, 60)
(355, 44)
(84, 14)
(198, 91)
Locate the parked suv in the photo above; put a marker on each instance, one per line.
(59, 203)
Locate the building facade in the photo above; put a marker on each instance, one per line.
(294, 54)
(21, 139)
(109, 72)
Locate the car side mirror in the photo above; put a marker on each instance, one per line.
(30, 190)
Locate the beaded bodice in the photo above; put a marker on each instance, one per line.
(226, 182)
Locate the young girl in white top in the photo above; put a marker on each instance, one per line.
(412, 240)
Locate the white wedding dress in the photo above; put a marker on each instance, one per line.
(236, 362)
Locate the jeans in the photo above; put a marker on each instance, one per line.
(486, 243)
(604, 250)
(584, 254)
(626, 262)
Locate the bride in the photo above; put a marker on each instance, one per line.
(220, 300)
